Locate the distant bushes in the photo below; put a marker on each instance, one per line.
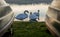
(28, 1)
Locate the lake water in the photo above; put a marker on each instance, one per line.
(17, 9)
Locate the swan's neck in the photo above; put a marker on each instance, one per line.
(30, 13)
(25, 12)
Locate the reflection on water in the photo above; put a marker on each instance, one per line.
(31, 8)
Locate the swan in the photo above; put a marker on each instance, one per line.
(33, 17)
(23, 15)
(37, 13)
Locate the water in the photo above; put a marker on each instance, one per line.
(17, 9)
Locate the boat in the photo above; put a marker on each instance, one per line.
(53, 18)
(6, 17)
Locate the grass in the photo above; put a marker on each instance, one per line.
(30, 29)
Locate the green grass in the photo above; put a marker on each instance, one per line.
(30, 29)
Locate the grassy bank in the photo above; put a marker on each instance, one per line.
(30, 29)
